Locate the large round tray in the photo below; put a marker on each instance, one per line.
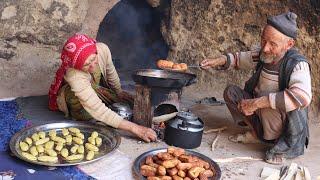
(141, 159)
(110, 140)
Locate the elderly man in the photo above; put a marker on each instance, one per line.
(275, 99)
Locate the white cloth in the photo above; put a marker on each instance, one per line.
(117, 166)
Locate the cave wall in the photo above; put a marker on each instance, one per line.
(32, 34)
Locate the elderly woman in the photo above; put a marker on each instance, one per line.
(87, 83)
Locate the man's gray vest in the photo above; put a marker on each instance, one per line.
(296, 132)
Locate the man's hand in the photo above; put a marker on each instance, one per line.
(215, 62)
(249, 106)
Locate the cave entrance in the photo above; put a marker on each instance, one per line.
(131, 29)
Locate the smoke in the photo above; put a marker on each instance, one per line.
(131, 29)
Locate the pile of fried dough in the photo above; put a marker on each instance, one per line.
(175, 164)
(166, 64)
(69, 144)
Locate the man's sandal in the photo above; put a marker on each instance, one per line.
(276, 159)
(246, 138)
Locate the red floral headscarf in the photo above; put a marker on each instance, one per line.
(74, 53)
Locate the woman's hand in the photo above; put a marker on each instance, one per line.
(213, 63)
(144, 133)
(147, 134)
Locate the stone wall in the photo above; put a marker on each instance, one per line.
(207, 28)
(32, 34)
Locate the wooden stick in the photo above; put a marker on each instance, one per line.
(227, 160)
(165, 117)
(142, 106)
(215, 130)
(215, 141)
(291, 172)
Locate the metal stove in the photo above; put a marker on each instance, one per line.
(158, 92)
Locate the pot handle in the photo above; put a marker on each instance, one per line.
(192, 81)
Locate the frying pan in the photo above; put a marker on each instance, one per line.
(163, 78)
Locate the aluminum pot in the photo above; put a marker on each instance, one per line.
(123, 110)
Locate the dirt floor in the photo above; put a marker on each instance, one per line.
(218, 116)
(215, 117)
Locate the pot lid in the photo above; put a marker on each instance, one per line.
(187, 121)
(121, 107)
(188, 116)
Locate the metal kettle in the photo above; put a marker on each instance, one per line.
(185, 130)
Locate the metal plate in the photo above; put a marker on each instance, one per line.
(141, 159)
(110, 140)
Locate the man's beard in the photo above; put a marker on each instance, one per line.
(271, 58)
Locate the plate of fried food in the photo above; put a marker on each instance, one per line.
(64, 143)
(171, 66)
(174, 163)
